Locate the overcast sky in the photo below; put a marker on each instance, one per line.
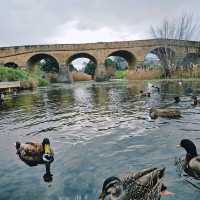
(78, 21)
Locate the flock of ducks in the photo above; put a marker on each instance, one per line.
(171, 113)
(143, 185)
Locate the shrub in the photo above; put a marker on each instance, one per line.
(121, 74)
(10, 74)
(28, 84)
(27, 80)
(42, 82)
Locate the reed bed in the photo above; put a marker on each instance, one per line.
(141, 74)
(80, 76)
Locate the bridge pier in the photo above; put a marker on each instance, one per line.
(101, 73)
(64, 75)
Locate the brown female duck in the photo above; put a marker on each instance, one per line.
(143, 185)
(34, 154)
(164, 112)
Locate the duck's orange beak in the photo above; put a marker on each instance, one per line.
(166, 193)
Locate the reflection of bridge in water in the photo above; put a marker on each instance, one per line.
(133, 52)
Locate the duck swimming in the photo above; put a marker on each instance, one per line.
(196, 102)
(156, 87)
(192, 160)
(171, 113)
(34, 154)
(177, 99)
(144, 94)
(143, 185)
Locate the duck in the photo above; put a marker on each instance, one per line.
(34, 154)
(191, 164)
(177, 99)
(171, 113)
(156, 87)
(143, 185)
(144, 94)
(189, 90)
(196, 102)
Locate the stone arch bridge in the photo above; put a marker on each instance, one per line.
(133, 52)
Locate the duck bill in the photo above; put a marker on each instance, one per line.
(102, 196)
(166, 193)
(178, 146)
(47, 149)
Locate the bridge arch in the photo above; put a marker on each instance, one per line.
(165, 55)
(81, 55)
(90, 63)
(127, 55)
(11, 65)
(47, 62)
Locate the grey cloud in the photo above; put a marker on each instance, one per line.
(32, 21)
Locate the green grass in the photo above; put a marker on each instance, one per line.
(121, 74)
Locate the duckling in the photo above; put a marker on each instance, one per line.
(144, 94)
(34, 154)
(196, 102)
(171, 113)
(192, 160)
(143, 185)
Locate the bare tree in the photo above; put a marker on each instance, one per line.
(182, 28)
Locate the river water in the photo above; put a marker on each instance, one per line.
(97, 130)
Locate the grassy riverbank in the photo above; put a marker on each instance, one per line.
(29, 80)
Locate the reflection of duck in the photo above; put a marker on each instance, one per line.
(142, 185)
(164, 112)
(33, 154)
(192, 159)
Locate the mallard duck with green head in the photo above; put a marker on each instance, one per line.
(143, 185)
(191, 164)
